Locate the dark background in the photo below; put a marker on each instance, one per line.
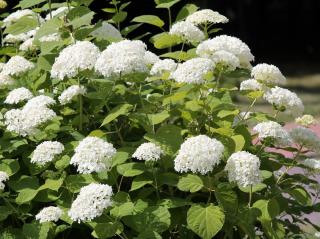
(282, 32)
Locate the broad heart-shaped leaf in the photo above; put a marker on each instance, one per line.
(155, 218)
(269, 209)
(149, 19)
(80, 16)
(23, 25)
(10, 166)
(116, 112)
(140, 181)
(30, 3)
(206, 221)
(49, 27)
(190, 183)
(167, 4)
(131, 169)
(186, 10)
(36, 230)
(165, 40)
(26, 195)
(107, 230)
(227, 198)
(75, 182)
(301, 195)
(124, 209)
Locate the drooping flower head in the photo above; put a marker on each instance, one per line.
(193, 71)
(206, 16)
(3, 177)
(91, 202)
(49, 214)
(187, 31)
(148, 152)
(72, 91)
(199, 154)
(93, 155)
(163, 66)
(244, 169)
(75, 58)
(46, 151)
(268, 74)
(16, 66)
(18, 95)
(304, 137)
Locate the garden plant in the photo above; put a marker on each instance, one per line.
(102, 138)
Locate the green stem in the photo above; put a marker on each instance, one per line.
(250, 197)
(183, 43)
(205, 29)
(218, 80)
(50, 10)
(80, 108)
(155, 181)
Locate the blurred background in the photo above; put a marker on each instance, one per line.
(285, 33)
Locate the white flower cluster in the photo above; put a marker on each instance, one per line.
(227, 43)
(226, 60)
(150, 58)
(40, 101)
(91, 202)
(199, 154)
(49, 214)
(3, 177)
(15, 16)
(5, 80)
(206, 16)
(306, 120)
(27, 45)
(93, 155)
(148, 152)
(59, 12)
(16, 66)
(271, 129)
(46, 151)
(305, 137)
(251, 84)
(187, 31)
(163, 66)
(268, 74)
(123, 58)
(312, 163)
(25, 121)
(50, 38)
(72, 91)
(193, 71)
(18, 95)
(281, 97)
(244, 169)
(75, 58)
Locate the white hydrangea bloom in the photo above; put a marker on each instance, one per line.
(15, 16)
(27, 45)
(268, 74)
(16, 38)
(91, 202)
(281, 97)
(49, 214)
(317, 234)
(72, 91)
(305, 137)
(163, 66)
(193, 71)
(227, 43)
(1, 66)
(148, 152)
(46, 151)
(187, 32)
(250, 84)
(59, 12)
(199, 154)
(3, 177)
(16, 66)
(40, 100)
(244, 169)
(226, 60)
(18, 95)
(122, 57)
(206, 16)
(50, 38)
(150, 58)
(306, 120)
(5, 80)
(93, 155)
(311, 163)
(75, 58)
(271, 129)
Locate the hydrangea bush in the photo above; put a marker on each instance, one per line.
(103, 138)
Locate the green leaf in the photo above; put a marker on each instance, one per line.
(269, 209)
(177, 55)
(53, 184)
(80, 16)
(124, 209)
(4, 212)
(239, 141)
(207, 221)
(167, 4)
(131, 169)
(26, 195)
(116, 112)
(301, 195)
(140, 181)
(62, 163)
(23, 25)
(165, 40)
(10, 166)
(120, 157)
(190, 183)
(75, 182)
(185, 11)
(227, 198)
(158, 118)
(30, 3)
(49, 27)
(36, 230)
(149, 19)
(256, 188)
(107, 230)
(148, 234)
(119, 17)
(24, 182)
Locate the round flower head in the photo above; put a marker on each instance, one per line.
(193, 71)
(27, 45)
(3, 177)
(40, 100)
(3, 4)
(16, 66)
(59, 12)
(273, 130)
(312, 163)
(199, 154)
(163, 66)
(123, 58)
(15, 16)
(5, 80)
(50, 38)
(227, 43)
(49, 214)
(206, 16)
(72, 91)
(226, 60)
(251, 84)
(243, 169)
(91, 202)
(18, 95)
(305, 137)
(150, 58)
(93, 155)
(306, 120)
(284, 98)
(75, 58)
(268, 74)
(148, 152)
(46, 151)
(187, 31)
(16, 38)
